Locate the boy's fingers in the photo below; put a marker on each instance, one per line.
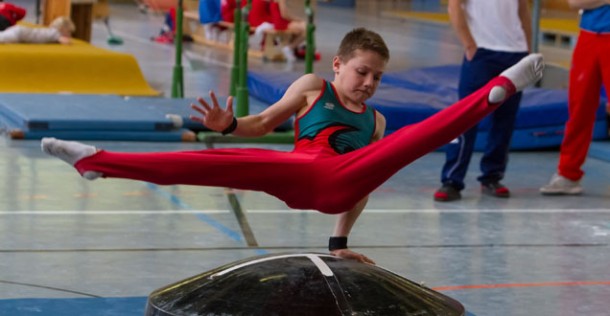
(230, 104)
(195, 118)
(214, 100)
(198, 109)
(204, 104)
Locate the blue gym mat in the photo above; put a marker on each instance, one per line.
(407, 97)
(99, 117)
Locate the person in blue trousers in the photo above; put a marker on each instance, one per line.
(496, 34)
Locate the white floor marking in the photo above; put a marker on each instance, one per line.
(288, 211)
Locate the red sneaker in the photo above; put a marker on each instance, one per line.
(447, 193)
(495, 189)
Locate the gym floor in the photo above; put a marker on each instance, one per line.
(73, 247)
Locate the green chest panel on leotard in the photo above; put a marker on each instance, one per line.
(329, 123)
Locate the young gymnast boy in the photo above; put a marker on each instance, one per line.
(339, 155)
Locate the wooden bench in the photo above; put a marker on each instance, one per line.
(271, 48)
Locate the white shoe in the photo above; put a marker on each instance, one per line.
(560, 185)
(70, 152)
(208, 30)
(289, 54)
(256, 40)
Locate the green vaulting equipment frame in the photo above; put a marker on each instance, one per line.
(239, 77)
(178, 76)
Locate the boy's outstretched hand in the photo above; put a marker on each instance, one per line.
(213, 117)
(348, 254)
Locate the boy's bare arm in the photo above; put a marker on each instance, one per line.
(343, 226)
(345, 221)
(296, 97)
(526, 22)
(457, 16)
(380, 125)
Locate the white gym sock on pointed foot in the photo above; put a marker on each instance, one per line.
(524, 73)
(70, 152)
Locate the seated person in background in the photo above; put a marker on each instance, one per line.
(282, 20)
(225, 13)
(227, 10)
(259, 18)
(9, 15)
(219, 32)
(209, 15)
(59, 31)
(259, 12)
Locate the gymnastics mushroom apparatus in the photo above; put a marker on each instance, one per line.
(299, 284)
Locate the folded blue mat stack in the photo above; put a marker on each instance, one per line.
(100, 117)
(92, 117)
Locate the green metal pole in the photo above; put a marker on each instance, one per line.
(236, 50)
(310, 41)
(535, 26)
(178, 77)
(242, 108)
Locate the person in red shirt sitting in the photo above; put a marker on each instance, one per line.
(10, 14)
(282, 20)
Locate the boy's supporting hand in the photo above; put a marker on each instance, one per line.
(213, 116)
(348, 254)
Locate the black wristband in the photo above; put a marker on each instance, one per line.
(335, 243)
(231, 127)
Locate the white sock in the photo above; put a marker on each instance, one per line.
(524, 73)
(70, 152)
(289, 54)
(257, 38)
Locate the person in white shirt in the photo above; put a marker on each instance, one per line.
(59, 31)
(496, 34)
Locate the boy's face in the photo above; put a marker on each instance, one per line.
(358, 78)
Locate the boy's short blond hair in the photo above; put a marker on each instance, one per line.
(63, 23)
(363, 39)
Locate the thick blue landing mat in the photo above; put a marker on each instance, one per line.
(102, 306)
(600, 150)
(407, 97)
(99, 117)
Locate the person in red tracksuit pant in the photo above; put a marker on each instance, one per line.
(10, 14)
(590, 68)
(339, 156)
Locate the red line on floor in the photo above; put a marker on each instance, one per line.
(513, 285)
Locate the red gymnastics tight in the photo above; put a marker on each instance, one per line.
(327, 183)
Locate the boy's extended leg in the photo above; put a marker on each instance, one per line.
(365, 169)
(285, 175)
